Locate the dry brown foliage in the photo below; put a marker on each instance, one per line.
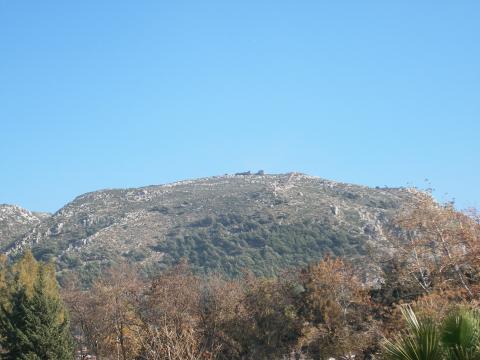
(337, 311)
(443, 247)
(105, 315)
(322, 311)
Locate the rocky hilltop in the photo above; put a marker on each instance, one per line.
(261, 222)
(16, 222)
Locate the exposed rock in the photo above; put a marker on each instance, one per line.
(225, 218)
(334, 210)
(16, 222)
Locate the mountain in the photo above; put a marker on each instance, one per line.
(16, 222)
(264, 223)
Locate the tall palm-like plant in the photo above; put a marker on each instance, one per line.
(461, 335)
(457, 339)
(421, 341)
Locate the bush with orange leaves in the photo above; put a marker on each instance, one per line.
(336, 311)
(442, 250)
(105, 317)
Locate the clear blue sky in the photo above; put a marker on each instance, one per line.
(101, 94)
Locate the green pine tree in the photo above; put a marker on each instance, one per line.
(12, 325)
(36, 326)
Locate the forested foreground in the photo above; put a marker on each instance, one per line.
(424, 307)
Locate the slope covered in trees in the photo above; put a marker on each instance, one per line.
(318, 311)
(263, 223)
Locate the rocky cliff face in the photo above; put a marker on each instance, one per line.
(16, 222)
(265, 223)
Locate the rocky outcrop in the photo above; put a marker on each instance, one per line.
(15, 222)
(235, 220)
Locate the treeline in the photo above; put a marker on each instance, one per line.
(225, 244)
(230, 243)
(316, 312)
(321, 311)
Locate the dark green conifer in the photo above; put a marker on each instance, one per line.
(12, 325)
(36, 326)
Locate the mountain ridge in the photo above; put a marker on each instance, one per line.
(15, 221)
(264, 222)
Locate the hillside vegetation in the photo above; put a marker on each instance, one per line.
(263, 223)
(321, 311)
(15, 222)
(429, 261)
